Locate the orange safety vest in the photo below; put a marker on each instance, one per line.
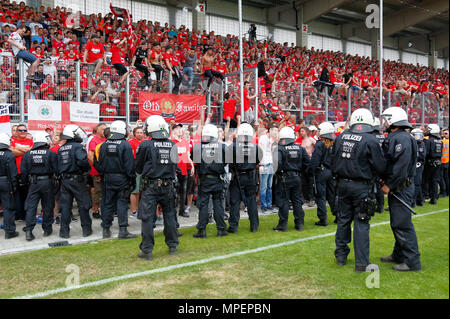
(445, 151)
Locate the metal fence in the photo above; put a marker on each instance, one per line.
(74, 81)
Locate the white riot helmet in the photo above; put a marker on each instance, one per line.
(156, 127)
(361, 121)
(326, 130)
(118, 130)
(417, 133)
(5, 141)
(245, 132)
(396, 116)
(210, 133)
(376, 124)
(73, 132)
(287, 135)
(434, 129)
(41, 139)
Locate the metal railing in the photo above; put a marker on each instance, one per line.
(75, 81)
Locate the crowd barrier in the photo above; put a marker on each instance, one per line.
(120, 101)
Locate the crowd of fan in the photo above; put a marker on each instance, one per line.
(95, 39)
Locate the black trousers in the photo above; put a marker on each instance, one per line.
(8, 202)
(20, 196)
(249, 187)
(210, 74)
(72, 188)
(418, 195)
(290, 192)
(40, 191)
(151, 197)
(349, 197)
(405, 248)
(115, 201)
(444, 181)
(146, 72)
(177, 78)
(325, 192)
(182, 188)
(307, 186)
(433, 175)
(211, 187)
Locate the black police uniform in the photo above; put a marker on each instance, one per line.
(156, 161)
(433, 146)
(400, 150)
(210, 161)
(292, 159)
(379, 194)
(8, 185)
(421, 156)
(356, 156)
(39, 167)
(321, 168)
(73, 167)
(246, 157)
(116, 165)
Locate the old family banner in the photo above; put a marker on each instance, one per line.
(180, 108)
(57, 114)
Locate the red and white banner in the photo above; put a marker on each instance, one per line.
(180, 108)
(58, 114)
(5, 125)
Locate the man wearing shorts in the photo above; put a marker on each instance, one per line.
(20, 51)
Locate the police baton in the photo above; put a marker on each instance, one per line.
(403, 203)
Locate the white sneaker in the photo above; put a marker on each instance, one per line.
(159, 221)
(133, 215)
(187, 209)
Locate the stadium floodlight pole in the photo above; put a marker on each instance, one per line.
(381, 57)
(241, 64)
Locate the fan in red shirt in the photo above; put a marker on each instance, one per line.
(94, 54)
(229, 109)
(21, 144)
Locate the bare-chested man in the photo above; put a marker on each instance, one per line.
(155, 60)
(208, 61)
(307, 141)
(401, 87)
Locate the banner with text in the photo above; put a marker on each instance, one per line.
(58, 114)
(5, 125)
(180, 108)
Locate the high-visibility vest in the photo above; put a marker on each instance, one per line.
(445, 151)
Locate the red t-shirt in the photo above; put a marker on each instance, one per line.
(117, 57)
(23, 143)
(92, 144)
(95, 52)
(183, 154)
(134, 145)
(55, 148)
(229, 108)
(246, 101)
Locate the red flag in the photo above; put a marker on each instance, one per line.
(116, 10)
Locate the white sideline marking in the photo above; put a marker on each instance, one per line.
(192, 263)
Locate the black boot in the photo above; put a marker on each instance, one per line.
(29, 235)
(48, 232)
(200, 234)
(11, 234)
(322, 222)
(87, 232)
(124, 234)
(222, 233)
(106, 233)
(64, 232)
(145, 256)
(280, 228)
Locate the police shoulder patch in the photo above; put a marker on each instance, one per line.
(398, 147)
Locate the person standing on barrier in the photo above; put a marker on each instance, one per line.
(116, 165)
(208, 60)
(171, 62)
(246, 158)
(141, 63)
(377, 131)
(156, 161)
(421, 156)
(73, 168)
(39, 167)
(8, 185)
(209, 156)
(434, 147)
(357, 157)
(291, 160)
(321, 168)
(400, 150)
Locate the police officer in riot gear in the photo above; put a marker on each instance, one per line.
(246, 157)
(357, 156)
(116, 165)
(377, 131)
(73, 167)
(421, 156)
(291, 159)
(321, 168)
(39, 167)
(209, 156)
(8, 185)
(400, 150)
(156, 161)
(433, 146)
